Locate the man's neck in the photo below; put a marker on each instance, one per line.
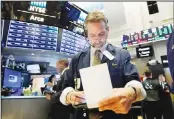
(101, 49)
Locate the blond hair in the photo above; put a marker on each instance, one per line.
(96, 17)
(63, 62)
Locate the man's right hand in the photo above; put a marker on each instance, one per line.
(75, 97)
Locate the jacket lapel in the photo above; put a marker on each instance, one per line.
(86, 59)
(110, 49)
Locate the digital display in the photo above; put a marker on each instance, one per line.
(72, 43)
(164, 31)
(125, 40)
(146, 51)
(82, 18)
(30, 35)
(72, 12)
(164, 61)
(149, 35)
(12, 78)
(134, 38)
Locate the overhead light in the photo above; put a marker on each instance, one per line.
(32, 54)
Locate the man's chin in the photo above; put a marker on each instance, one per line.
(98, 46)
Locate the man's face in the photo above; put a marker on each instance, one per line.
(59, 67)
(161, 78)
(97, 33)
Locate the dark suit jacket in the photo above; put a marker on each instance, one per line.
(57, 109)
(170, 53)
(120, 68)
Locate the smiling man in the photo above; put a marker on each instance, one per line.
(124, 76)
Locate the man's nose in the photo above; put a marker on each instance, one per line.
(97, 39)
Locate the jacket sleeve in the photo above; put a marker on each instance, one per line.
(131, 77)
(129, 69)
(59, 87)
(68, 84)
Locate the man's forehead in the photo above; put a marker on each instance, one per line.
(97, 23)
(99, 32)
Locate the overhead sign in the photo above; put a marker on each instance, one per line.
(38, 7)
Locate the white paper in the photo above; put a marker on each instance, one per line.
(96, 84)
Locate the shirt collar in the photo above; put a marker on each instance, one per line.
(101, 49)
(64, 71)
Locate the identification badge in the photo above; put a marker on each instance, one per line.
(108, 55)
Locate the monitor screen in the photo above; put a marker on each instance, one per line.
(30, 35)
(72, 12)
(82, 18)
(72, 43)
(12, 78)
(164, 61)
(33, 68)
(146, 51)
(26, 79)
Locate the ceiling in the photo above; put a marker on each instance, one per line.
(114, 12)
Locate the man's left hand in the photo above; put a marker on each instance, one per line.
(120, 101)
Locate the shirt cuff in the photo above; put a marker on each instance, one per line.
(140, 91)
(64, 94)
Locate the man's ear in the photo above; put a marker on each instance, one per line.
(85, 31)
(107, 28)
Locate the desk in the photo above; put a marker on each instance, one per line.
(25, 107)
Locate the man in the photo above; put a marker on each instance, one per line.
(124, 76)
(152, 101)
(165, 98)
(170, 53)
(57, 109)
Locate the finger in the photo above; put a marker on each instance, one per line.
(123, 100)
(80, 95)
(117, 111)
(109, 100)
(76, 99)
(110, 106)
(114, 106)
(80, 100)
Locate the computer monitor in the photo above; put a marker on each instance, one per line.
(145, 51)
(33, 68)
(26, 79)
(12, 78)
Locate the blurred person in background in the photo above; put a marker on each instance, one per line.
(151, 104)
(165, 98)
(58, 110)
(51, 83)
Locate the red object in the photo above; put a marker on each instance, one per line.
(141, 78)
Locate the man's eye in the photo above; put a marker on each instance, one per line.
(92, 36)
(101, 34)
